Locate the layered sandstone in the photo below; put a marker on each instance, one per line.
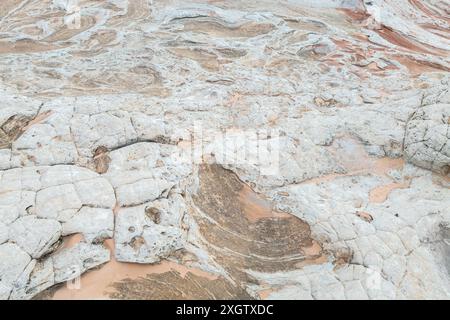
(224, 149)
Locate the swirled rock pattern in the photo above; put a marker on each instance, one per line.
(224, 149)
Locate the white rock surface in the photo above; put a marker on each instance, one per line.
(13, 263)
(427, 138)
(96, 224)
(58, 202)
(151, 232)
(35, 236)
(71, 263)
(334, 111)
(4, 236)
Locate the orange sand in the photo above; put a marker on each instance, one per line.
(96, 284)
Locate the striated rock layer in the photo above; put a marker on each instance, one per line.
(285, 149)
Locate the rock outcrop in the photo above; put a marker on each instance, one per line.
(252, 149)
(427, 138)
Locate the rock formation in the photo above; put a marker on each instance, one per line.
(230, 149)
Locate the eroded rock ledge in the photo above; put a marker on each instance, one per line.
(101, 169)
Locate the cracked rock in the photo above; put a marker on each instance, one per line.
(427, 138)
(256, 149)
(12, 128)
(3, 233)
(13, 262)
(96, 224)
(58, 202)
(34, 235)
(71, 263)
(144, 238)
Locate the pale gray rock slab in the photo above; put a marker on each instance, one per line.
(96, 193)
(41, 278)
(140, 155)
(28, 106)
(16, 203)
(34, 235)
(141, 191)
(401, 226)
(427, 138)
(96, 224)
(148, 127)
(19, 291)
(103, 129)
(316, 203)
(382, 130)
(71, 263)
(8, 214)
(32, 199)
(301, 71)
(351, 4)
(20, 178)
(61, 175)
(13, 262)
(144, 171)
(141, 239)
(394, 15)
(147, 160)
(4, 235)
(58, 202)
(5, 159)
(47, 143)
(443, 244)
(291, 162)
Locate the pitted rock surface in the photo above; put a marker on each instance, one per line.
(224, 149)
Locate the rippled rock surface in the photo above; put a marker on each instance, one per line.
(287, 149)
